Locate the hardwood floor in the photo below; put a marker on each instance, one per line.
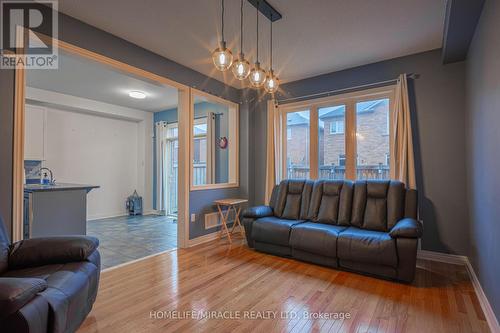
(219, 277)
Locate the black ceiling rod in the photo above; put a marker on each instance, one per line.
(266, 9)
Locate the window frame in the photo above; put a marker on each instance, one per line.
(349, 100)
(234, 160)
(336, 123)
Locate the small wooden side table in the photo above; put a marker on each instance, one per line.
(233, 204)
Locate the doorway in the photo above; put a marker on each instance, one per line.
(177, 179)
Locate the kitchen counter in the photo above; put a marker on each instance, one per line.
(55, 210)
(57, 187)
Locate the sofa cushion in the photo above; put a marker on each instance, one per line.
(367, 246)
(292, 200)
(273, 230)
(331, 202)
(377, 204)
(16, 292)
(71, 291)
(316, 238)
(51, 250)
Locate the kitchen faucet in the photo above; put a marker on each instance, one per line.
(52, 180)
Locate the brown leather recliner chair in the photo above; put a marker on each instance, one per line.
(47, 284)
(364, 226)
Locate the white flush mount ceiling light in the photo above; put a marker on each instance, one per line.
(137, 94)
(222, 56)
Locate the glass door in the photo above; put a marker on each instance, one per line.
(172, 168)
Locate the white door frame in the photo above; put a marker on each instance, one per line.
(18, 145)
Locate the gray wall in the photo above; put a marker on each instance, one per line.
(437, 99)
(483, 152)
(83, 35)
(6, 127)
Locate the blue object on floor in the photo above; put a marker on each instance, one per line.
(134, 204)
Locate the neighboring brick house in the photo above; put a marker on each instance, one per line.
(372, 136)
(298, 139)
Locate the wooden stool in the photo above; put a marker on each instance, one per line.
(233, 204)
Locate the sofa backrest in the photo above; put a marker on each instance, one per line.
(4, 248)
(331, 202)
(367, 204)
(291, 201)
(377, 204)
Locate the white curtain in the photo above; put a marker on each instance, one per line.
(274, 144)
(402, 150)
(161, 174)
(211, 148)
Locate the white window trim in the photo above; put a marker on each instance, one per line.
(349, 100)
(234, 146)
(336, 123)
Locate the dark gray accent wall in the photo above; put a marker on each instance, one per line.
(201, 202)
(483, 152)
(88, 37)
(6, 137)
(459, 26)
(437, 101)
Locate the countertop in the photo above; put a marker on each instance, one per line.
(57, 187)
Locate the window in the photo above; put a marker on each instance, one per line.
(340, 137)
(213, 142)
(372, 142)
(342, 160)
(297, 156)
(337, 127)
(200, 151)
(331, 145)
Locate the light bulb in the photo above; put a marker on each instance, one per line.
(222, 57)
(241, 68)
(137, 94)
(272, 82)
(257, 76)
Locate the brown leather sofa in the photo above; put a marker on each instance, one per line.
(363, 226)
(47, 284)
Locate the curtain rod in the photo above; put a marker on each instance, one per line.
(337, 91)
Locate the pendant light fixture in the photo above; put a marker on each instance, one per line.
(241, 67)
(257, 74)
(272, 82)
(222, 56)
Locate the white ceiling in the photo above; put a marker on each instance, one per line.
(84, 78)
(314, 36)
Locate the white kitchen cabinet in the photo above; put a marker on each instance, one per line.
(34, 132)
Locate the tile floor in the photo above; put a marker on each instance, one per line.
(127, 238)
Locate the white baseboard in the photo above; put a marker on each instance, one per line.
(93, 218)
(203, 239)
(483, 300)
(442, 257)
(481, 296)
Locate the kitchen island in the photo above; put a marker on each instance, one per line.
(55, 209)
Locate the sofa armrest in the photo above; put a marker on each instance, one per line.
(51, 250)
(407, 228)
(16, 292)
(258, 212)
